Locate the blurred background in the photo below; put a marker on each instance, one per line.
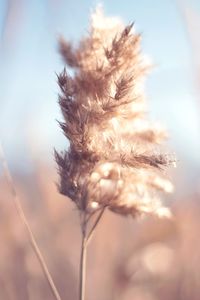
(139, 260)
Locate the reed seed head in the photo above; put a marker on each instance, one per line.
(113, 158)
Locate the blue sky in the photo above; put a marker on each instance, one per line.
(29, 60)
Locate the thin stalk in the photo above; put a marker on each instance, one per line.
(90, 234)
(82, 275)
(24, 221)
(85, 241)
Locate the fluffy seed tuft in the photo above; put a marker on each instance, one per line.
(112, 160)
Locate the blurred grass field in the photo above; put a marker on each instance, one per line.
(148, 259)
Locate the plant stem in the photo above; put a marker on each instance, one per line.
(85, 241)
(25, 222)
(90, 235)
(82, 275)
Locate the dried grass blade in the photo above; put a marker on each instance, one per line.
(24, 221)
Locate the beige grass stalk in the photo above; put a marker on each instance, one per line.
(82, 274)
(26, 225)
(113, 160)
(86, 238)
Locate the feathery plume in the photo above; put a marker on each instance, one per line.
(113, 158)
